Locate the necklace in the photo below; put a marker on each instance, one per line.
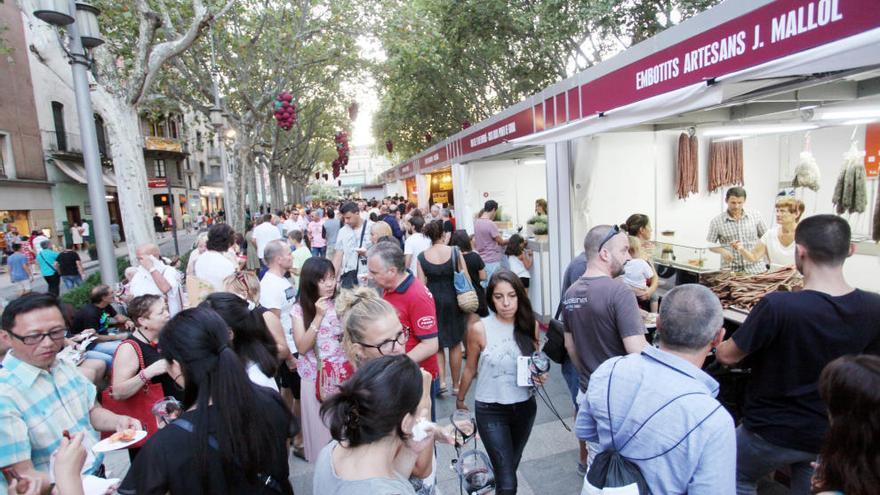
(145, 339)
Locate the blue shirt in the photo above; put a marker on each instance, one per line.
(46, 258)
(18, 267)
(36, 406)
(704, 463)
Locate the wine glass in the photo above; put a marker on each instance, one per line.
(463, 421)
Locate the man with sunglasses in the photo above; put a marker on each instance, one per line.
(601, 315)
(414, 305)
(41, 396)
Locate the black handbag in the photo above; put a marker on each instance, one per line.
(554, 347)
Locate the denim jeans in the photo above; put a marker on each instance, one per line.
(71, 281)
(103, 351)
(505, 429)
(490, 269)
(756, 458)
(570, 373)
(319, 251)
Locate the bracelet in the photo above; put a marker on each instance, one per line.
(143, 377)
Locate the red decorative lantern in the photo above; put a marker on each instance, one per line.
(339, 182)
(389, 145)
(465, 124)
(428, 137)
(326, 177)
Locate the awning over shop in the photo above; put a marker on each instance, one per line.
(859, 51)
(77, 172)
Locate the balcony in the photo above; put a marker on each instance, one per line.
(69, 145)
(214, 179)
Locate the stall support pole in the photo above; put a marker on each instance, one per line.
(464, 210)
(424, 187)
(559, 193)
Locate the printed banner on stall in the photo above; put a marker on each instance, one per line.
(517, 125)
(767, 33)
(433, 158)
(872, 149)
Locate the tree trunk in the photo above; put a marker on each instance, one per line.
(299, 193)
(252, 187)
(135, 203)
(275, 177)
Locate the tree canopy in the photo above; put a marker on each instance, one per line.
(451, 61)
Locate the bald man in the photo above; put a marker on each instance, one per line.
(155, 277)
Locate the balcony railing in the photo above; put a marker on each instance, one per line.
(154, 143)
(69, 142)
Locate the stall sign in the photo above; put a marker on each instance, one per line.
(773, 31)
(435, 157)
(872, 149)
(440, 197)
(406, 169)
(517, 125)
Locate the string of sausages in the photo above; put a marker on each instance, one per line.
(744, 291)
(686, 171)
(725, 164)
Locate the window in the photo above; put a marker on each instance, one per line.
(179, 171)
(58, 119)
(190, 181)
(201, 169)
(199, 140)
(172, 126)
(102, 138)
(160, 168)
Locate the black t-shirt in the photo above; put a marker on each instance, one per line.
(474, 265)
(167, 462)
(790, 337)
(91, 316)
(67, 263)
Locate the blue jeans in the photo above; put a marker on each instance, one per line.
(103, 351)
(570, 373)
(490, 269)
(71, 281)
(435, 386)
(319, 252)
(505, 429)
(756, 457)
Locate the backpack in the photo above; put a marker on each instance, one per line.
(619, 474)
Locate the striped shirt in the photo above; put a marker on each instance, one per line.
(36, 406)
(749, 229)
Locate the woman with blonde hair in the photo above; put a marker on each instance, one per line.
(379, 230)
(777, 244)
(371, 330)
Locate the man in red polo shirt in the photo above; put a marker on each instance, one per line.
(414, 305)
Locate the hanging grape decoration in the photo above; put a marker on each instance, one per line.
(342, 150)
(465, 124)
(389, 145)
(285, 110)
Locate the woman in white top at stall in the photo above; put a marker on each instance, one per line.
(519, 258)
(777, 244)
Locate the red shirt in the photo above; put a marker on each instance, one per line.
(415, 308)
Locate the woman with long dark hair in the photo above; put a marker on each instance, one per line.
(318, 335)
(371, 420)
(505, 412)
(850, 460)
(251, 340)
(233, 437)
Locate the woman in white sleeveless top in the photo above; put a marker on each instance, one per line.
(505, 412)
(777, 244)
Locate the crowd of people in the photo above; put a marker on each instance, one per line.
(332, 331)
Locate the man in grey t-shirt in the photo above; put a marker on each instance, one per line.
(601, 315)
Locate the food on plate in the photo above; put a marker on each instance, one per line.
(123, 436)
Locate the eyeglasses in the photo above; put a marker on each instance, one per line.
(387, 347)
(611, 233)
(37, 338)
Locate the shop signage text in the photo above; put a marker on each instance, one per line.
(438, 156)
(517, 125)
(158, 183)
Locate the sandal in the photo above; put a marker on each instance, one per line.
(442, 390)
(299, 452)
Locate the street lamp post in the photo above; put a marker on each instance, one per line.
(83, 34)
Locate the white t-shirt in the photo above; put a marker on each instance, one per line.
(414, 246)
(779, 255)
(264, 234)
(37, 241)
(277, 293)
(214, 267)
(142, 284)
(348, 241)
(637, 272)
(517, 267)
(288, 226)
(87, 231)
(259, 378)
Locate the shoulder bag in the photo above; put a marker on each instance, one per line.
(554, 347)
(464, 290)
(349, 279)
(140, 405)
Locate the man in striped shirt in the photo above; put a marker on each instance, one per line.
(736, 224)
(42, 396)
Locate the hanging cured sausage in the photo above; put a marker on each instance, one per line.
(686, 170)
(725, 164)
